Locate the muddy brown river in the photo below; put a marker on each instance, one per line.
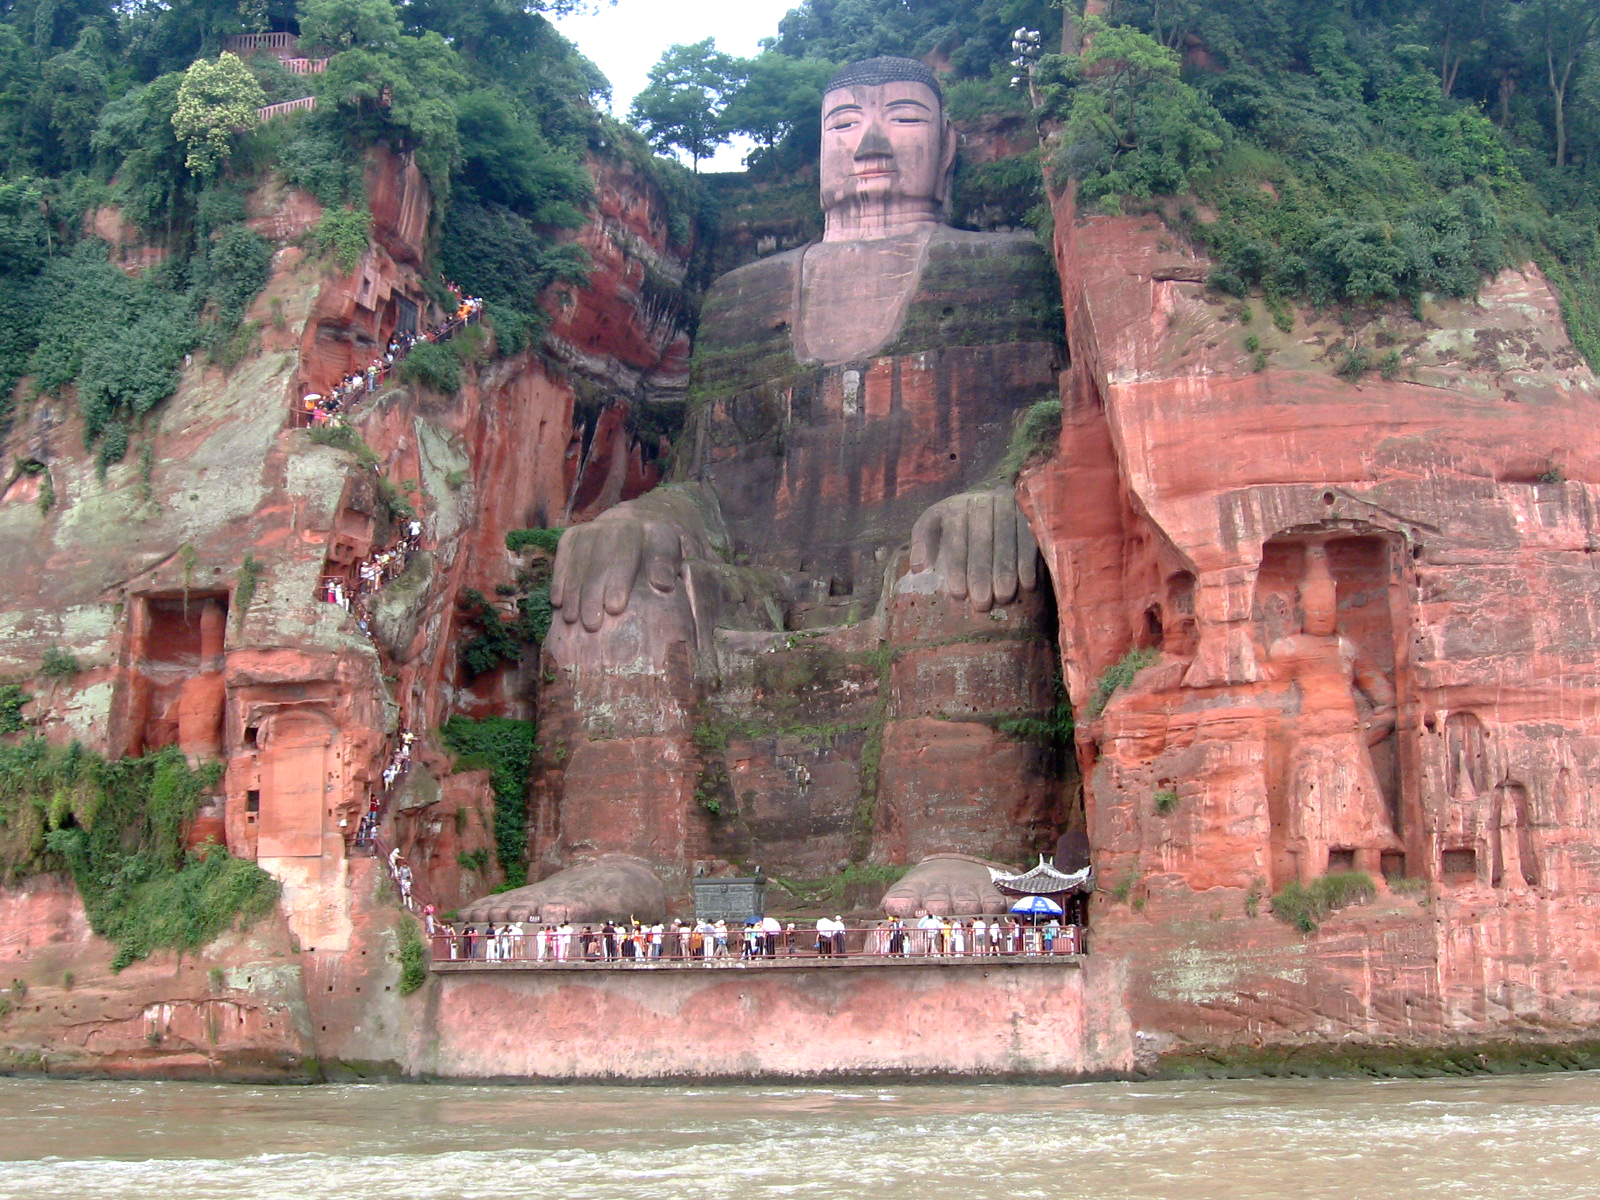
(1524, 1137)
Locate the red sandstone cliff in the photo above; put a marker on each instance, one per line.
(140, 579)
(1455, 501)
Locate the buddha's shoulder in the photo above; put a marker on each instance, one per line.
(949, 241)
(770, 278)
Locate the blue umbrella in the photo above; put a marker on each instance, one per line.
(1038, 906)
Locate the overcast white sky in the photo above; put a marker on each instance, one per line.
(625, 40)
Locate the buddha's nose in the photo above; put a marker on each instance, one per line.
(874, 143)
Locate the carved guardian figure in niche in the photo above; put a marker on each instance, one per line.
(1341, 706)
(850, 404)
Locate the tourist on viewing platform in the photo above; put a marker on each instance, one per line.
(928, 927)
(824, 944)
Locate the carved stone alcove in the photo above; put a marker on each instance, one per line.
(1325, 619)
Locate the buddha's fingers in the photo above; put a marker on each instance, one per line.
(1027, 556)
(1005, 549)
(925, 539)
(980, 550)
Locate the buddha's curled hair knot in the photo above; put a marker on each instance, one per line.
(873, 72)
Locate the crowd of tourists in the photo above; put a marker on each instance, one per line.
(399, 763)
(716, 942)
(372, 572)
(326, 408)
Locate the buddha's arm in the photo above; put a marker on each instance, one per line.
(1375, 687)
(981, 546)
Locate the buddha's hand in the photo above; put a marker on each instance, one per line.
(599, 564)
(980, 545)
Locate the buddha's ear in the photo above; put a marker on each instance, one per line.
(947, 159)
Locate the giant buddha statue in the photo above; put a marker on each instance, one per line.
(817, 644)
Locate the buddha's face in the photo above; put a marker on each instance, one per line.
(883, 144)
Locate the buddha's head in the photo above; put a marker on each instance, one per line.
(1319, 603)
(887, 149)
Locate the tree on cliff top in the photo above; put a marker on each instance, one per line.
(682, 106)
(779, 96)
(1132, 126)
(215, 98)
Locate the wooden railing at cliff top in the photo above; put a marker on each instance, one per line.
(288, 106)
(249, 43)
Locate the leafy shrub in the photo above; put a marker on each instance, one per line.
(497, 253)
(396, 506)
(1305, 906)
(413, 956)
(1165, 801)
(237, 266)
(1037, 431)
(518, 540)
(122, 340)
(12, 701)
(434, 366)
(343, 234)
(119, 827)
(245, 583)
(504, 746)
(1130, 125)
(1008, 191)
(1120, 674)
(317, 158)
(343, 437)
(58, 662)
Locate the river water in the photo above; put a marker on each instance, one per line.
(1527, 1137)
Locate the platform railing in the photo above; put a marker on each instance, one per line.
(677, 948)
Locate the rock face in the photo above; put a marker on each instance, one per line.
(1366, 611)
(1439, 732)
(192, 598)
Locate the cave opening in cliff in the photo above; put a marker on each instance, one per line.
(174, 693)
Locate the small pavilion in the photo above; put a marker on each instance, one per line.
(1068, 889)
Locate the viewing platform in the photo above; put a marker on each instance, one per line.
(878, 946)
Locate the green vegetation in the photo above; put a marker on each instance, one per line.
(518, 540)
(1305, 906)
(131, 105)
(342, 235)
(119, 828)
(244, 589)
(1165, 801)
(1036, 433)
(858, 884)
(58, 663)
(12, 701)
(1119, 675)
(216, 98)
(1354, 154)
(682, 106)
(498, 641)
(432, 365)
(344, 437)
(412, 953)
(505, 748)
